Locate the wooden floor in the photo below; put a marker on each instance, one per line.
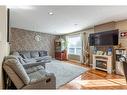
(96, 80)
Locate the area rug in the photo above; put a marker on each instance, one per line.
(64, 72)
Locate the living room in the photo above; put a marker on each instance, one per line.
(69, 51)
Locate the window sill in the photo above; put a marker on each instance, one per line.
(74, 54)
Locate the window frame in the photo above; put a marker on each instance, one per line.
(75, 47)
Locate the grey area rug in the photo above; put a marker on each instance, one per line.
(64, 71)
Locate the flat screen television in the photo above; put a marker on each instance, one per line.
(104, 38)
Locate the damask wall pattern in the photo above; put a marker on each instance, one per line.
(24, 40)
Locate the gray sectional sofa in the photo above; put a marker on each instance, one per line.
(26, 70)
(33, 56)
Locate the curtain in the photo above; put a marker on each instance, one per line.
(66, 39)
(82, 49)
(86, 49)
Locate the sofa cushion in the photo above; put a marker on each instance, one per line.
(30, 60)
(43, 53)
(25, 54)
(13, 62)
(19, 57)
(34, 54)
(34, 69)
(38, 75)
(21, 60)
(38, 59)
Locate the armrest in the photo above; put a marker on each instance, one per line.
(47, 78)
(28, 65)
(47, 82)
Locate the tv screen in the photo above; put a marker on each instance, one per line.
(91, 39)
(104, 38)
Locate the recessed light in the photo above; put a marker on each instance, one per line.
(50, 13)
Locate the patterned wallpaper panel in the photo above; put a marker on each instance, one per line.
(24, 40)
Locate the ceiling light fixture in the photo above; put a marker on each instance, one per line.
(50, 13)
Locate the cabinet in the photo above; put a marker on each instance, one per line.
(60, 51)
(61, 55)
(119, 65)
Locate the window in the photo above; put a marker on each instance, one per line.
(74, 45)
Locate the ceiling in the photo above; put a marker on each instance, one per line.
(63, 19)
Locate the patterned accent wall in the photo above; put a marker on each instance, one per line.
(24, 40)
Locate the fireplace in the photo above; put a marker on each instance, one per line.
(102, 62)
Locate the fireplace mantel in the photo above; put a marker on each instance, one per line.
(103, 62)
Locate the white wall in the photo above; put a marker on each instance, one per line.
(4, 50)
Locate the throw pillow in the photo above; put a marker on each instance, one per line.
(43, 53)
(34, 54)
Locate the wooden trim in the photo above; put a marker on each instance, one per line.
(8, 25)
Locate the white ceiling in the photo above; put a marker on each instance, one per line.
(64, 18)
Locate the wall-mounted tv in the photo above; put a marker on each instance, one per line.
(104, 38)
